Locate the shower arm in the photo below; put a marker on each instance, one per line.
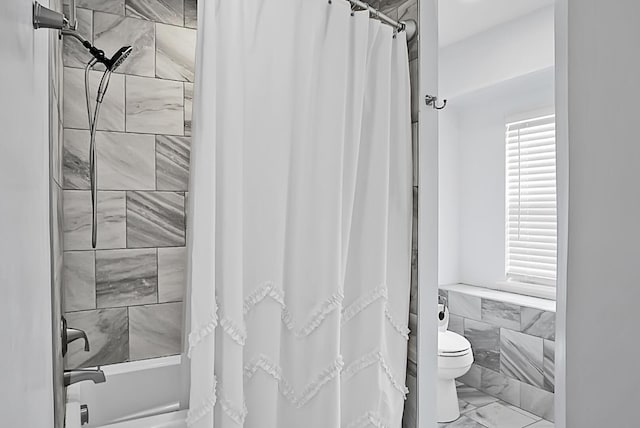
(98, 54)
(44, 17)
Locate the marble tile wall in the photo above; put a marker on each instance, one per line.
(513, 347)
(127, 294)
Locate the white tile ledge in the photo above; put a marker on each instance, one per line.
(502, 296)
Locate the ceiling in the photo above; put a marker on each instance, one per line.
(459, 19)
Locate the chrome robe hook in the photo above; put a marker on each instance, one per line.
(432, 101)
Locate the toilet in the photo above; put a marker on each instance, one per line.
(454, 360)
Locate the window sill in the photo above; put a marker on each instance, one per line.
(503, 295)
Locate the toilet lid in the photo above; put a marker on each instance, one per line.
(451, 344)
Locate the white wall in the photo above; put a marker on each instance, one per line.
(448, 196)
(603, 290)
(26, 395)
(519, 47)
(428, 220)
(472, 176)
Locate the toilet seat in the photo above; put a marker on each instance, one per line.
(452, 344)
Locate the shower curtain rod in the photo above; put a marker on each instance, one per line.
(399, 26)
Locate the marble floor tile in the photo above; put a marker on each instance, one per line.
(172, 162)
(126, 277)
(126, 161)
(485, 343)
(521, 357)
(155, 330)
(538, 323)
(79, 279)
(462, 422)
(76, 159)
(499, 385)
(501, 314)
(73, 53)
(465, 407)
(111, 6)
(522, 411)
(465, 305)
(190, 13)
(167, 11)
(175, 52)
(542, 424)
(549, 351)
(111, 32)
(537, 401)
(172, 274)
(474, 397)
(188, 107)
(155, 219)
(107, 330)
(155, 106)
(77, 220)
(75, 107)
(496, 415)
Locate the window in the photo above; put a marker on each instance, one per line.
(531, 214)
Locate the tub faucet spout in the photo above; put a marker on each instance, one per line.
(80, 375)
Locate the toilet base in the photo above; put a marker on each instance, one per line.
(448, 409)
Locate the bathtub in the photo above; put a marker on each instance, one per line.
(139, 394)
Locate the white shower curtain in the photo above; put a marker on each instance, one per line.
(300, 211)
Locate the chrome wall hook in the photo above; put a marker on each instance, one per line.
(432, 101)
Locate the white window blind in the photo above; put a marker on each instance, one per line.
(531, 221)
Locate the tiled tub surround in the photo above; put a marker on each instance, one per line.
(127, 295)
(513, 345)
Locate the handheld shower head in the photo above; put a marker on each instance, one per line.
(118, 58)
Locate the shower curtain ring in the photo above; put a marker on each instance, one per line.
(432, 101)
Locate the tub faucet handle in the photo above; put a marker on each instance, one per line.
(71, 334)
(75, 334)
(80, 375)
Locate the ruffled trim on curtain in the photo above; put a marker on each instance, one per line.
(370, 359)
(363, 302)
(402, 329)
(238, 333)
(269, 289)
(334, 370)
(207, 405)
(235, 414)
(198, 334)
(369, 418)
(275, 371)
